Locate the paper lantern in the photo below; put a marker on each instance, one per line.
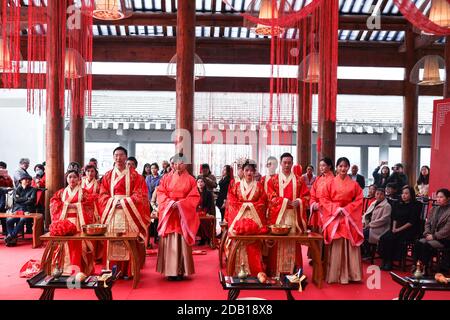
(199, 68)
(426, 71)
(112, 9)
(74, 65)
(440, 13)
(309, 68)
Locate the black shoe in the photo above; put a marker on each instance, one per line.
(12, 242)
(29, 231)
(7, 239)
(172, 278)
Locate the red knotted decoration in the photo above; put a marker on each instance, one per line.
(247, 226)
(10, 57)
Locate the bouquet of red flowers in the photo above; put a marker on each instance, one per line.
(247, 226)
(63, 228)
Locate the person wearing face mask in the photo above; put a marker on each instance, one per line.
(39, 184)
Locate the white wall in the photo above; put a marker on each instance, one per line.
(21, 133)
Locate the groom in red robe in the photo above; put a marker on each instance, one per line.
(288, 198)
(124, 207)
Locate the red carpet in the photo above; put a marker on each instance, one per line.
(204, 285)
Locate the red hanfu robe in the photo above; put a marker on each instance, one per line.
(184, 220)
(40, 198)
(247, 201)
(317, 190)
(128, 189)
(77, 253)
(342, 205)
(284, 256)
(93, 189)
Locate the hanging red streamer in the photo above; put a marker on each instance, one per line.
(10, 57)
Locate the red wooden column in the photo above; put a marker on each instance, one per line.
(410, 112)
(304, 128)
(447, 68)
(326, 134)
(77, 127)
(56, 23)
(185, 86)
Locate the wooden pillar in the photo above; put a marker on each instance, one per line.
(77, 128)
(447, 68)
(185, 86)
(304, 127)
(410, 112)
(54, 176)
(327, 87)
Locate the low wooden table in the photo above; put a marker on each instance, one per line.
(235, 287)
(413, 289)
(38, 225)
(312, 240)
(130, 239)
(49, 285)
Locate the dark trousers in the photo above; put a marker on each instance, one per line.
(392, 245)
(14, 226)
(365, 248)
(4, 229)
(423, 249)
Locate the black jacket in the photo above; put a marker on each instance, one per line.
(400, 180)
(378, 178)
(361, 181)
(24, 199)
(224, 183)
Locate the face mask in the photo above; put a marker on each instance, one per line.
(40, 172)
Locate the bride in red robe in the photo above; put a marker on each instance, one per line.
(288, 198)
(177, 197)
(124, 207)
(247, 200)
(73, 203)
(342, 226)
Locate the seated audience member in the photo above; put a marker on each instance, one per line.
(39, 184)
(376, 220)
(355, 176)
(6, 183)
(437, 230)
(380, 179)
(405, 227)
(25, 201)
(205, 207)
(391, 193)
(421, 186)
(309, 176)
(370, 197)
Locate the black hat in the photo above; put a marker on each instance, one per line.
(25, 176)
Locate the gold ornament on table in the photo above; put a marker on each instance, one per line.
(243, 274)
(418, 274)
(439, 277)
(57, 271)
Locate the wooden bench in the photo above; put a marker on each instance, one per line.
(38, 225)
(48, 284)
(312, 240)
(251, 283)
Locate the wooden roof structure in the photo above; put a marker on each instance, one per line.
(149, 35)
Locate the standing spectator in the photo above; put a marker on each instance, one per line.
(24, 200)
(132, 162)
(309, 176)
(205, 207)
(93, 162)
(210, 179)
(224, 183)
(147, 171)
(165, 164)
(6, 183)
(398, 177)
(380, 179)
(357, 177)
(39, 184)
(437, 230)
(24, 163)
(422, 184)
(405, 227)
(152, 182)
(271, 165)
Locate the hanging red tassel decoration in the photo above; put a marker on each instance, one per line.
(10, 56)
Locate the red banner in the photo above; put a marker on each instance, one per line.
(440, 152)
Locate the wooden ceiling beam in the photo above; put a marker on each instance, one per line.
(346, 22)
(251, 85)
